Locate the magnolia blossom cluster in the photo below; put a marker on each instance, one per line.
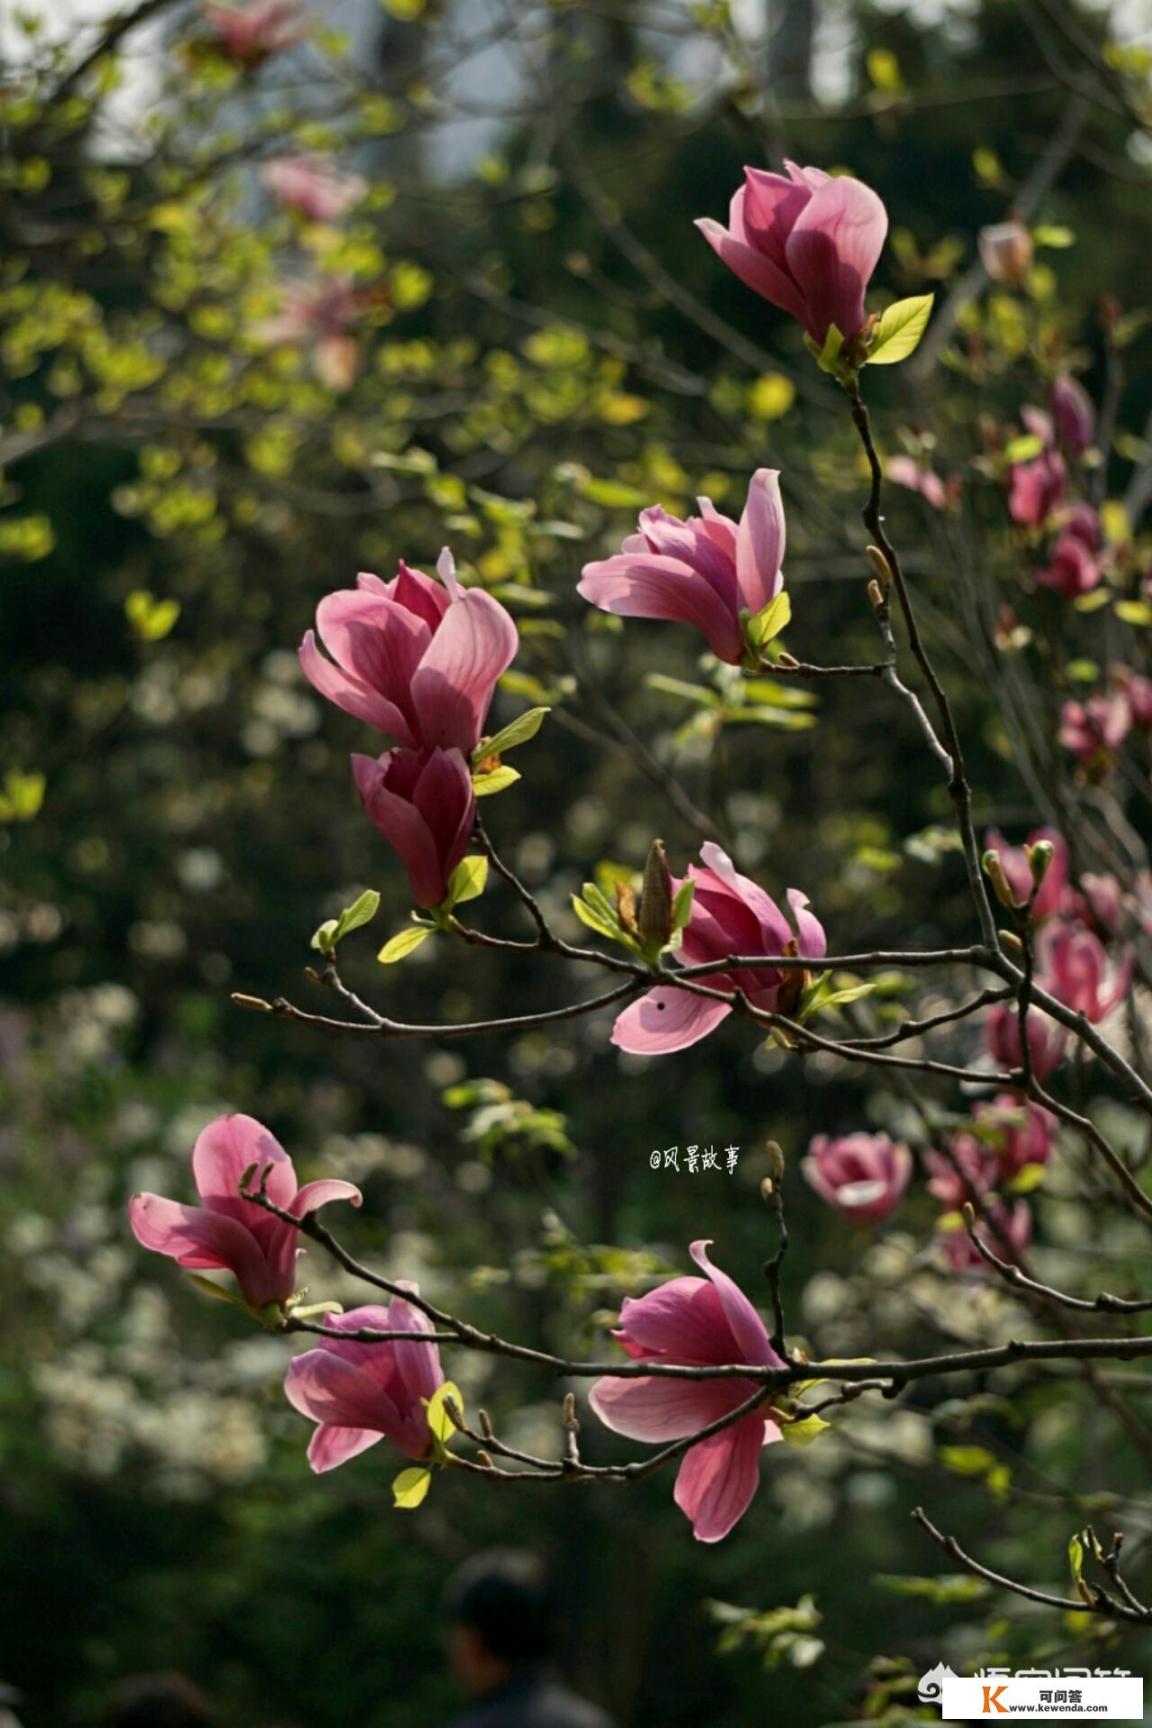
(417, 660)
(990, 1165)
(1075, 927)
(1043, 491)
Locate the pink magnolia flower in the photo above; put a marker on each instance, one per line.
(1072, 570)
(1014, 859)
(862, 1175)
(1100, 902)
(417, 659)
(225, 1232)
(1093, 730)
(966, 1172)
(322, 316)
(1035, 488)
(707, 571)
(1023, 1133)
(805, 241)
(1076, 969)
(251, 34)
(312, 186)
(1137, 691)
(1073, 415)
(1007, 1231)
(1006, 251)
(695, 1323)
(359, 1394)
(730, 916)
(423, 804)
(906, 471)
(1047, 1040)
(1083, 522)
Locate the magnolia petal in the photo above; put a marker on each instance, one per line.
(351, 695)
(452, 689)
(718, 1478)
(663, 1409)
(654, 586)
(331, 1446)
(832, 252)
(760, 542)
(748, 1330)
(666, 1020)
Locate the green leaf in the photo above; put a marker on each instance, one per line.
(151, 619)
(518, 731)
(944, 1589)
(899, 331)
(680, 687)
(967, 1460)
(468, 880)
(497, 780)
(1054, 235)
(594, 920)
(1092, 601)
(1134, 611)
(324, 939)
(803, 1433)
(1024, 448)
(768, 623)
(682, 904)
(361, 912)
(217, 1292)
(828, 359)
(410, 1488)
(441, 1424)
(404, 943)
(22, 797)
(1076, 1558)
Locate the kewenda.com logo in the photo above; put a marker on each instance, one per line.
(1035, 1694)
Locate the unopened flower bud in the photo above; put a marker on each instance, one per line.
(876, 595)
(1006, 251)
(994, 870)
(655, 919)
(569, 1408)
(485, 1422)
(1010, 939)
(881, 568)
(1040, 857)
(485, 1461)
(968, 1211)
(775, 1159)
(783, 658)
(767, 1188)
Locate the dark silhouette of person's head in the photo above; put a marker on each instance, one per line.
(501, 1617)
(159, 1701)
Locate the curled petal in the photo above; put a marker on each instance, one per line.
(760, 542)
(331, 1446)
(666, 1020)
(748, 1330)
(653, 586)
(832, 252)
(204, 1241)
(351, 694)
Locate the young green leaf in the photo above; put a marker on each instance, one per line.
(518, 731)
(768, 623)
(404, 943)
(468, 880)
(899, 331)
(410, 1488)
(496, 780)
(803, 1433)
(440, 1422)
